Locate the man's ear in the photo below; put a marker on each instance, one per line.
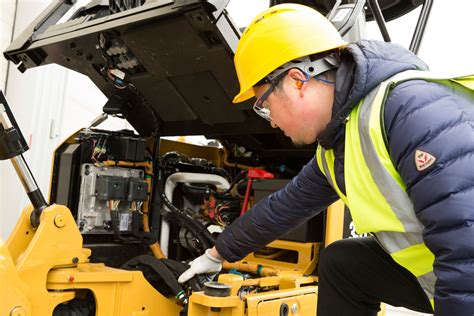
(298, 77)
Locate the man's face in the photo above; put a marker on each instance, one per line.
(300, 109)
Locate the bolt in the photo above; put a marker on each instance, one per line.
(75, 260)
(18, 311)
(294, 308)
(59, 221)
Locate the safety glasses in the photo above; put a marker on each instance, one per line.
(261, 106)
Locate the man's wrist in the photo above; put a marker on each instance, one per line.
(213, 255)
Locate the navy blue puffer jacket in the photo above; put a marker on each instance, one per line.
(418, 115)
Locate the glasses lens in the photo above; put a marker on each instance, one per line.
(261, 105)
(262, 110)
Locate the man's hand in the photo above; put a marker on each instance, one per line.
(207, 263)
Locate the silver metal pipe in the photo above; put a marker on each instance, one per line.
(24, 173)
(18, 162)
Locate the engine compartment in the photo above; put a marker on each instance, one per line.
(139, 201)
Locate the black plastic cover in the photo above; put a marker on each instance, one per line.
(137, 190)
(12, 142)
(111, 188)
(176, 57)
(309, 231)
(127, 149)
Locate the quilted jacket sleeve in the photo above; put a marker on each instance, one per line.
(306, 195)
(434, 118)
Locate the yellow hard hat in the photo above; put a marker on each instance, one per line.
(276, 36)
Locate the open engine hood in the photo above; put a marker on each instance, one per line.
(177, 56)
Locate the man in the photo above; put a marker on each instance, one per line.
(397, 147)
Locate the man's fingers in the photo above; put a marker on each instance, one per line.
(188, 274)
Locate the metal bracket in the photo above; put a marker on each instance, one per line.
(420, 26)
(375, 8)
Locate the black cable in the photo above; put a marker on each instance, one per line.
(190, 223)
(161, 269)
(237, 178)
(221, 172)
(195, 227)
(180, 221)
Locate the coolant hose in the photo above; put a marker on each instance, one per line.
(167, 193)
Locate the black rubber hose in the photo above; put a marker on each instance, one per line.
(237, 178)
(196, 193)
(162, 270)
(221, 172)
(203, 241)
(194, 226)
(175, 159)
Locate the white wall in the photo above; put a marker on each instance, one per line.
(446, 46)
(49, 103)
(7, 12)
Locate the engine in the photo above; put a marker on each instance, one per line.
(123, 192)
(153, 205)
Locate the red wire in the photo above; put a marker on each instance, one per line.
(246, 199)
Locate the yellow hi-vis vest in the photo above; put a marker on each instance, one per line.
(375, 192)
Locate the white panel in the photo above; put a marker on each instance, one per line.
(445, 46)
(7, 9)
(21, 96)
(49, 103)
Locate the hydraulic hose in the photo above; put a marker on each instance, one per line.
(205, 238)
(237, 178)
(167, 189)
(252, 268)
(194, 226)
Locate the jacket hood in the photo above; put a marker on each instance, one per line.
(364, 65)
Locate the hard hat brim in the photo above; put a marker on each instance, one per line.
(243, 96)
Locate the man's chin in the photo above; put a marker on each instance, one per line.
(300, 143)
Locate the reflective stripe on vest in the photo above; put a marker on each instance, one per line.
(375, 192)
